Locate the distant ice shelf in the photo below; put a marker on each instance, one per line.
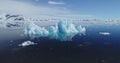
(18, 21)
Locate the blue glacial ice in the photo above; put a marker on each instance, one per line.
(63, 31)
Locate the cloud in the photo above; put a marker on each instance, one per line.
(36, 0)
(63, 31)
(55, 3)
(27, 9)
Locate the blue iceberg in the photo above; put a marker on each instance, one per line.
(63, 31)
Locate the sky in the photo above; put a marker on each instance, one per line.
(86, 8)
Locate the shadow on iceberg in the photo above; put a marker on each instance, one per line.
(63, 31)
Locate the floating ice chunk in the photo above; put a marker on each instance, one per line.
(63, 31)
(27, 43)
(104, 33)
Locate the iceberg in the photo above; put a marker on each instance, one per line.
(63, 31)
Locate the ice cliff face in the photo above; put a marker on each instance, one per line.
(63, 31)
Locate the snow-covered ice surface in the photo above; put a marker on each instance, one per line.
(11, 21)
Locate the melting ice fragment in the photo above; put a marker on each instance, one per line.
(27, 43)
(63, 31)
(104, 33)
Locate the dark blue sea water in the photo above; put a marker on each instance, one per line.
(91, 48)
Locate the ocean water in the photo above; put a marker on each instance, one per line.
(91, 48)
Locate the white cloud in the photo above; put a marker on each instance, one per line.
(55, 3)
(36, 0)
(11, 6)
